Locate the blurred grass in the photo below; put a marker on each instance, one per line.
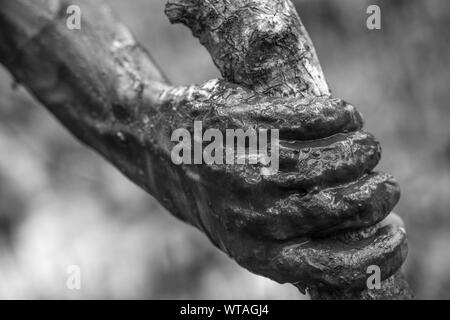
(61, 204)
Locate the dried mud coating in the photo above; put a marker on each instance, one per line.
(318, 223)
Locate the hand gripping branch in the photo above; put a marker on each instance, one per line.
(319, 223)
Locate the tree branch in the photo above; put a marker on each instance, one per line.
(259, 44)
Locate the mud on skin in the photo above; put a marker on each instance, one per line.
(319, 222)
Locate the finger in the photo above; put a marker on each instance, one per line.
(341, 263)
(326, 162)
(299, 119)
(317, 213)
(302, 165)
(222, 105)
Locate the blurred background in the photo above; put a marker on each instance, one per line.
(61, 204)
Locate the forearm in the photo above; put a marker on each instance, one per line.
(97, 80)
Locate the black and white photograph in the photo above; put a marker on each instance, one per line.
(224, 150)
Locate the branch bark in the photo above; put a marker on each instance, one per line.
(105, 88)
(258, 44)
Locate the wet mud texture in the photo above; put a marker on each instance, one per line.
(318, 223)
